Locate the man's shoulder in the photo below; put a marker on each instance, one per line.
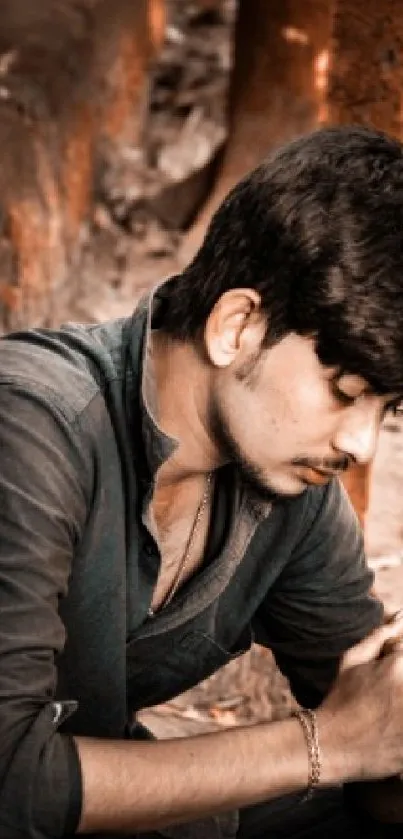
(68, 366)
(318, 503)
(318, 515)
(330, 505)
(326, 530)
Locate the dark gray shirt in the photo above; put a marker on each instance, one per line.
(78, 455)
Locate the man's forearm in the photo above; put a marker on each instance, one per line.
(134, 786)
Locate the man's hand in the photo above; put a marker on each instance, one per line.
(361, 721)
(382, 800)
(388, 638)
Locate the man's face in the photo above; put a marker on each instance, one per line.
(288, 421)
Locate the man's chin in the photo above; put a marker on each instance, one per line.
(282, 483)
(291, 490)
(276, 487)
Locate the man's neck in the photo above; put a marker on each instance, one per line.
(181, 382)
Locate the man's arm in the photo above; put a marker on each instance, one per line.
(43, 507)
(149, 785)
(146, 786)
(320, 607)
(322, 603)
(383, 799)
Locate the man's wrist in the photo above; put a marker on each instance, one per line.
(309, 724)
(338, 762)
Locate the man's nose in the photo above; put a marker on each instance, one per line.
(357, 436)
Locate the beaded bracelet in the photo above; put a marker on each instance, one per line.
(308, 721)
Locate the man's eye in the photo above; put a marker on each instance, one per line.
(397, 409)
(342, 397)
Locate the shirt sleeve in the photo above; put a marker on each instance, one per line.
(321, 604)
(43, 504)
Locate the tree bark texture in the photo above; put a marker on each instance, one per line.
(72, 76)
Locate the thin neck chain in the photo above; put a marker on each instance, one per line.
(189, 545)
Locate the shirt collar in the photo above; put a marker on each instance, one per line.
(158, 446)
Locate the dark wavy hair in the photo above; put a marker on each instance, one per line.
(317, 230)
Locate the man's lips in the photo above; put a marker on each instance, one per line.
(316, 476)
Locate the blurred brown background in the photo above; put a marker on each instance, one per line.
(133, 118)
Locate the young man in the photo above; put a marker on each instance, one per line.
(168, 491)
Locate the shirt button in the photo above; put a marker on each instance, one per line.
(149, 549)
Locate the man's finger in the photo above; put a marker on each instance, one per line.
(384, 639)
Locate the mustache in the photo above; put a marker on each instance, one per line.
(324, 464)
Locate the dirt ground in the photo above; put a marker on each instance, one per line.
(131, 245)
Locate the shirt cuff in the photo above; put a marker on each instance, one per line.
(75, 787)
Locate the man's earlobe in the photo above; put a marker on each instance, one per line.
(222, 351)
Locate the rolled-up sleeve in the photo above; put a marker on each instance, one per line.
(322, 603)
(44, 494)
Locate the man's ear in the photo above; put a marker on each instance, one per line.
(235, 325)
